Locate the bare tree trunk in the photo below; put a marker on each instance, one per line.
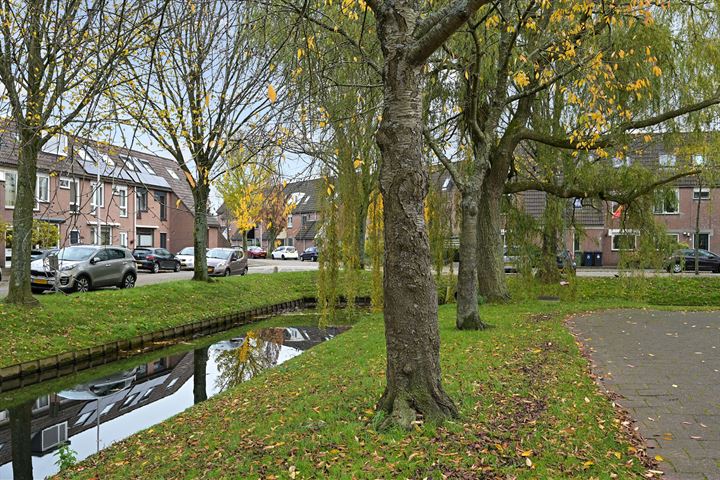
(19, 292)
(21, 435)
(491, 269)
(200, 233)
(200, 358)
(410, 297)
(468, 317)
(244, 237)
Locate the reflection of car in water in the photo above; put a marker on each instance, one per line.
(102, 387)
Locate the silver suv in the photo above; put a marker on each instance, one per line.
(83, 268)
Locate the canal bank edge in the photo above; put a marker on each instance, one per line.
(56, 366)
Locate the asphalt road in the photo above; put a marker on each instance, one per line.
(254, 266)
(268, 265)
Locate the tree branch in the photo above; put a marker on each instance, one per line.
(436, 28)
(447, 163)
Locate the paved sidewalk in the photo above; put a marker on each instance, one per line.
(666, 368)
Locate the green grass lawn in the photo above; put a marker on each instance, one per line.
(68, 322)
(528, 410)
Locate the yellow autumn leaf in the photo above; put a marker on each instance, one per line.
(467, 75)
(657, 71)
(659, 458)
(526, 453)
(357, 163)
(207, 100)
(521, 79)
(272, 95)
(177, 203)
(300, 53)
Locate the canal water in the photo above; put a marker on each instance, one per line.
(93, 415)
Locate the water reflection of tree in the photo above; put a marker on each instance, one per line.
(259, 350)
(21, 434)
(200, 358)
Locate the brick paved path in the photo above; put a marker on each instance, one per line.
(666, 367)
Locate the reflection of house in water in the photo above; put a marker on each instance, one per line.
(60, 416)
(306, 337)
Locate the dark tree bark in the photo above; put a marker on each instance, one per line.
(410, 297)
(548, 269)
(201, 192)
(21, 435)
(19, 292)
(491, 269)
(200, 358)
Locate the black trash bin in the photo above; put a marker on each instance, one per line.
(597, 259)
(587, 259)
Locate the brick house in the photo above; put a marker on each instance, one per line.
(97, 193)
(675, 207)
(302, 223)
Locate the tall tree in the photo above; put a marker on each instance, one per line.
(56, 58)
(408, 36)
(210, 86)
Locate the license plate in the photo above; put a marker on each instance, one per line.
(41, 281)
(139, 264)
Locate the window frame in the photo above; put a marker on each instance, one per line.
(122, 194)
(290, 221)
(664, 209)
(38, 178)
(14, 174)
(142, 206)
(623, 233)
(93, 197)
(670, 159)
(698, 194)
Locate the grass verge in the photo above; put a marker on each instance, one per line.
(528, 410)
(68, 322)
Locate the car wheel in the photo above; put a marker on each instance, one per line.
(314, 259)
(128, 281)
(155, 267)
(177, 267)
(677, 268)
(82, 284)
(227, 272)
(283, 257)
(245, 270)
(37, 291)
(302, 259)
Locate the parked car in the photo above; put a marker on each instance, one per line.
(284, 253)
(685, 260)
(310, 254)
(40, 254)
(223, 262)
(256, 252)
(186, 257)
(565, 259)
(155, 259)
(84, 268)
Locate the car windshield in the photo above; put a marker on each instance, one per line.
(218, 253)
(187, 251)
(76, 254)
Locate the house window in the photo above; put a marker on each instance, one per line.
(701, 194)
(54, 436)
(123, 239)
(147, 166)
(698, 159)
(64, 183)
(289, 223)
(42, 188)
(145, 237)
(74, 196)
(121, 193)
(105, 235)
(673, 238)
(667, 160)
(98, 196)
(163, 240)
(446, 184)
(161, 198)
(142, 200)
(172, 173)
(621, 162)
(82, 418)
(74, 237)
(702, 241)
(290, 242)
(42, 402)
(667, 201)
(10, 189)
(624, 241)
(304, 219)
(576, 241)
(107, 409)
